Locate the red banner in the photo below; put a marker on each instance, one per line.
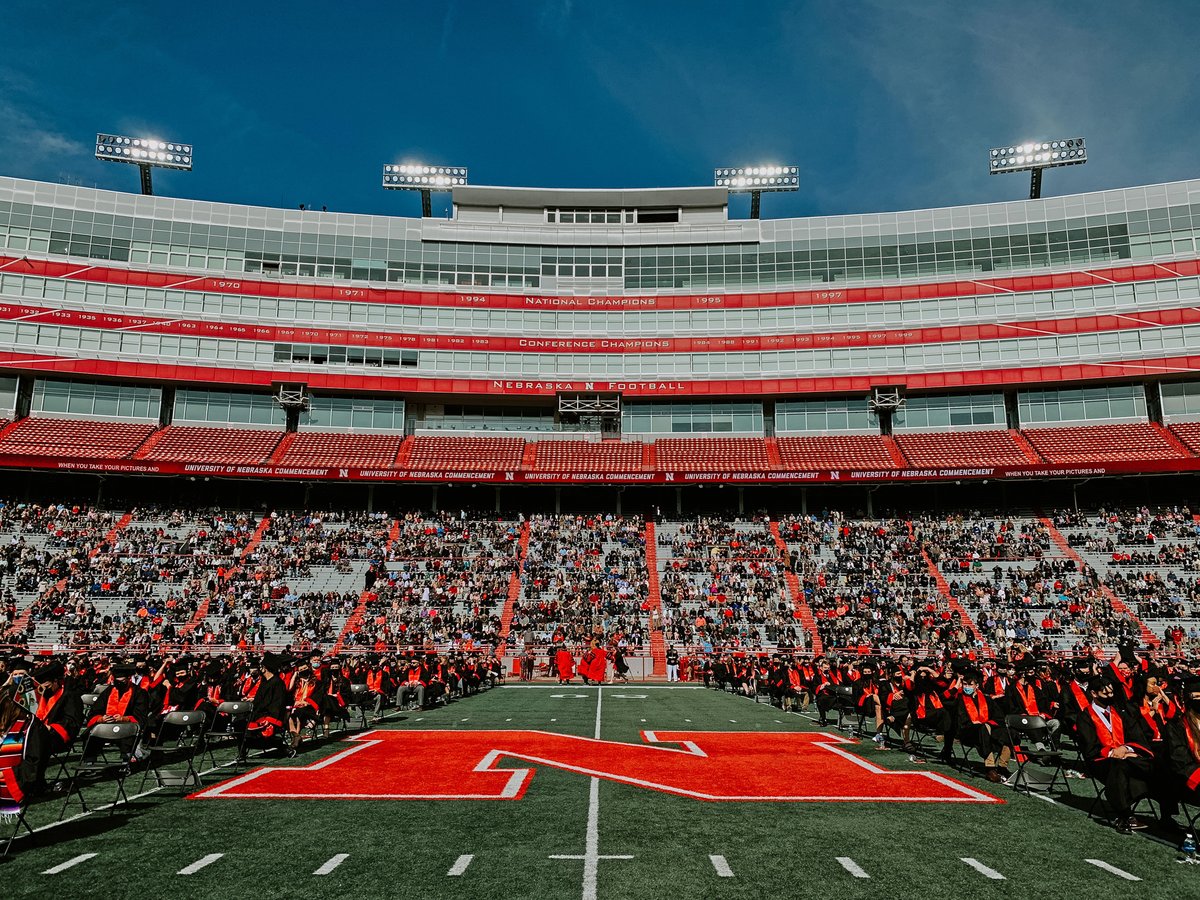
(519, 476)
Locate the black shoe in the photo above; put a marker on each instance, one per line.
(1122, 826)
(1136, 824)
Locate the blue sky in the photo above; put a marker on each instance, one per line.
(884, 105)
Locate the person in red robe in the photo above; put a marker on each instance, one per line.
(566, 665)
(594, 664)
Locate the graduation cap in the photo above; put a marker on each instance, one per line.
(276, 662)
(19, 663)
(123, 670)
(51, 671)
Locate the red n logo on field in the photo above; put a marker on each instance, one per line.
(469, 765)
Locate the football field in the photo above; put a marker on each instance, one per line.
(638, 791)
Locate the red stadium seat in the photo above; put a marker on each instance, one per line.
(367, 451)
(713, 454)
(464, 454)
(586, 456)
(839, 451)
(1189, 434)
(962, 448)
(229, 446)
(1101, 443)
(75, 437)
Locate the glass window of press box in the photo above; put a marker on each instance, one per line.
(1181, 401)
(79, 399)
(354, 414)
(662, 419)
(825, 417)
(1118, 403)
(8, 397)
(971, 411)
(227, 408)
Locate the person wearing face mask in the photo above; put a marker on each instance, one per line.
(1183, 744)
(53, 728)
(124, 701)
(978, 726)
(1109, 743)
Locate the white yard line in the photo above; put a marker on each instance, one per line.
(852, 867)
(460, 865)
(982, 869)
(1107, 867)
(719, 863)
(74, 861)
(199, 864)
(333, 862)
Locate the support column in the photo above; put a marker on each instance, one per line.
(433, 504)
(620, 491)
(370, 498)
(804, 501)
(679, 501)
(870, 503)
(497, 507)
(557, 501)
(741, 500)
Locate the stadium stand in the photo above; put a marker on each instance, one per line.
(962, 448)
(370, 451)
(71, 437)
(708, 454)
(587, 456)
(229, 446)
(462, 454)
(1101, 443)
(1188, 434)
(808, 454)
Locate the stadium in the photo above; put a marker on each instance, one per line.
(625, 542)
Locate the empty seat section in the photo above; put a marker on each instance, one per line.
(585, 456)
(462, 454)
(230, 446)
(368, 451)
(1189, 434)
(962, 448)
(75, 437)
(712, 454)
(837, 451)
(1101, 443)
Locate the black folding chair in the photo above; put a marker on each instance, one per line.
(1025, 732)
(11, 809)
(106, 753)
(179, 738)
(360, 697)
(223, 731)
(844, 705)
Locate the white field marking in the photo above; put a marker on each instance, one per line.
(643, 721)
(96, 809)
(460, 865)
(777, 722)
(569, 696)
(73, 861)
(719, 863)
(687, 720)
(1107, 867)
(419, 719)
(199, 864)
(852, 867)
(629, 696)
(554, 720)
(508, 720)
(979, 867)
(332, 863)
(467, 719)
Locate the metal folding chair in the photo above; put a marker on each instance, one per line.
(222, 732)
(104, 755)
(1024, 732)
(177, 742)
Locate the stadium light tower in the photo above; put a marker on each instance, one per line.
(754, 180)
(144, 153)
(1035, 156)
(426, 179)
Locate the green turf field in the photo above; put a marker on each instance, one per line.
(676, 846)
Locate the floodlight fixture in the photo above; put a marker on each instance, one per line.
(1034, 156)
(144, 153)
(426, 179)
(755, 180)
